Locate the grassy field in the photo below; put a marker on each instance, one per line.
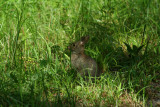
(35, 65)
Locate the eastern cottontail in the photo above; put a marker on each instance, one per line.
(84, 64)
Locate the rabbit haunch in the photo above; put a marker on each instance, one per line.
(85, 65)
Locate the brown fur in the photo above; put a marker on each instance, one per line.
(85, 65)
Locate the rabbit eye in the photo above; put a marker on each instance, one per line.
(74, 45)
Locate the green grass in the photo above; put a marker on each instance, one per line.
(35, 63)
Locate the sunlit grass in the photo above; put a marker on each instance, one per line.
(35, 61)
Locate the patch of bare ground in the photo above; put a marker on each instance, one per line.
(154, 94)
(127, 101)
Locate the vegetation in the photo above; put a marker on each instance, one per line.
(35, 65)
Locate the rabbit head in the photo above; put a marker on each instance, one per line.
(78, 47)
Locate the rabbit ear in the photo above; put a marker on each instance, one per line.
(85, 39)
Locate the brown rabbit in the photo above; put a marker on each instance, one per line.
(84, 64)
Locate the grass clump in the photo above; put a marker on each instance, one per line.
(35, 62)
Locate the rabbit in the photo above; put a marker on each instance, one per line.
(85, 65)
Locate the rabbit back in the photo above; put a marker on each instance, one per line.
(85, 65)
